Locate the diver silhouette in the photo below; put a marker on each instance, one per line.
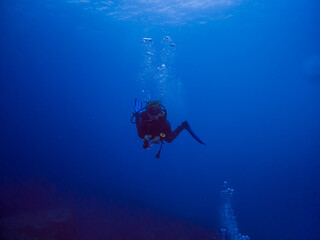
(152, 125)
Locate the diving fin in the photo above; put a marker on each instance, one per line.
(188, 128)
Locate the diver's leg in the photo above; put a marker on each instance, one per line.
(176, 132)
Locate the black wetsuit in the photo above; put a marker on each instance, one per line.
(156, 126)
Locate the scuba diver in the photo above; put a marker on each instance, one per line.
(152, 125)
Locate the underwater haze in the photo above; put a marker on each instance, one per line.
(245, 74)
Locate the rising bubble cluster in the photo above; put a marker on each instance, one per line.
(156, 78)
(230, 229)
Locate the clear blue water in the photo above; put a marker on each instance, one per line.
(245, 74)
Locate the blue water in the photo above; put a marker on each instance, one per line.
(244, 74)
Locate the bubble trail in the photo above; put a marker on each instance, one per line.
(230, 229)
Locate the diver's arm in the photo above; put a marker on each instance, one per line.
(142, 128)
(142, 131)
(146, 140)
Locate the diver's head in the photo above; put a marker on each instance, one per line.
(154, 108)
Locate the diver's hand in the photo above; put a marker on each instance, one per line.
(147, 137)
(146, 145)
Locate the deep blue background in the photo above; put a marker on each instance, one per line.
(69, 78)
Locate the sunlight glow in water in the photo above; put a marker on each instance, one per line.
(161, 11)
